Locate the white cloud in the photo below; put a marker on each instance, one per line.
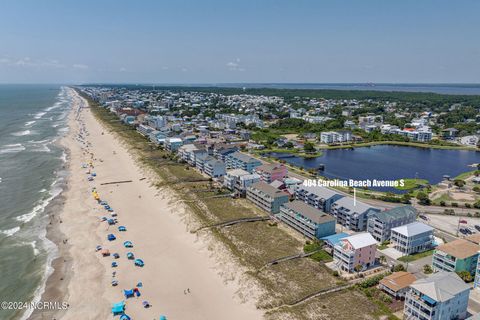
(80, 66)
(235, 65)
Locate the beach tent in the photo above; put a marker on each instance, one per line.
(114, 283)
(122, 228)
(146, 304)
(128, 244)
(98, 248)
(111, 222)
(111, 237)
(128, 293)
(130, 255)
(124, 317)
(105, 252)
(103, 203)
(163, 318)
(114, 264)
(106, 206)
(139, 262)
(118, 308)
(116, 255)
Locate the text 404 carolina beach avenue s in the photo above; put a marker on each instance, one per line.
(369, 183)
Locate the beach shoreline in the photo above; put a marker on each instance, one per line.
(209, 285)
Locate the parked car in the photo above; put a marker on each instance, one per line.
(423, 217)
(477, 227)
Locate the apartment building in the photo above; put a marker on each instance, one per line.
(355, 251)
(319, 197)
(239, 160)
(458, 255)
(173, 144)
(271, 172)
(232, 176)
(266, 197)
(380, 224)
(309, 221)
(350, 214)
(335, 137)
(441, 296)
(221, 151)
(412, 238)
(214, 168)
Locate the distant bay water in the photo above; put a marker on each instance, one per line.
(458, 89)
(32, 118)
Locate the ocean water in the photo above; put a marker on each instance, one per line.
(32, 118)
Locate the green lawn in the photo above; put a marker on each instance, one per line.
(416, 256)
(465, 175)
(412, 184)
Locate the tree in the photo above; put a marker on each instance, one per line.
(382, 259)
(465, 275)
(309, 147)
(427, 269)
(398, 267)
(423, 199)
(459, 183)
(358, 268)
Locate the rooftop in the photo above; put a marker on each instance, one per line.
(413, 229)
(460, 248)
(441, 286)
(396, 213)
(268, 189)
(321, 192)
(313, 214)
(361, 240)
(348, 203)
(398, 280)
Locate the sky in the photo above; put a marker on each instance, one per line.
(227, 41)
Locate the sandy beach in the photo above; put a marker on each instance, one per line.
(182, 278)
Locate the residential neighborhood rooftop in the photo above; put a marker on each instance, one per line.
(441, 286)
(310, 212)
(398, 280)
(413, 229)
(460, 248)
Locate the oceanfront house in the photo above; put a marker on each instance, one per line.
(355, 253)
(319, 197)
(173, 144)
(144, 130)
(309, 221)
(271, 172)
(266, 197)
(350, 214)
(214, 168)
(412, 238)
(245, 181)
(239, 160)
(381, 223)
(449, 133)
(397, 284)
(441, 296)
(458, 255)
(232, 176)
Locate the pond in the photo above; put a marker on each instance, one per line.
(388, 162)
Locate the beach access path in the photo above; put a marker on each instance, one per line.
(181, 279)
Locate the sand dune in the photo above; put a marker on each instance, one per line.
(175, 260)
